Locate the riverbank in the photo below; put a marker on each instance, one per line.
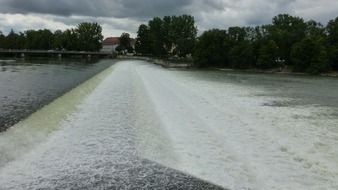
(166, 63)
(277, 71)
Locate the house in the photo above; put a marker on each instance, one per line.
(110, 44)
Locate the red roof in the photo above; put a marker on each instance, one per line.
(111, 41)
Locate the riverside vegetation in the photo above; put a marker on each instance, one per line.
(85, 37)
(288, 42)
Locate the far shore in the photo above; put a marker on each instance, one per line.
(189, 65)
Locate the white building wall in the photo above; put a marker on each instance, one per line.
(109, 48)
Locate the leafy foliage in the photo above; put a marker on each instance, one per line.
(241, 55)
(288, 41)
(85, 37)
(310, 56)
(143, 42)
(125, 44)
(89, 36)
(170, 35)
(268, 55)
(332, 39)
(211, 49)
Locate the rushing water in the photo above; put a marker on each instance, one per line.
(139, 126)
(27, 85)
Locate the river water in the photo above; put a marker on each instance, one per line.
(139, 126)
(27, 85)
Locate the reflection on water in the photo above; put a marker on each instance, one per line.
(27, 85)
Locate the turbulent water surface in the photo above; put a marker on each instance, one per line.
(138, 126)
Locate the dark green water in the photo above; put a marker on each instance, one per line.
(27, 85)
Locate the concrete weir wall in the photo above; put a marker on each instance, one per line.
(162, 62)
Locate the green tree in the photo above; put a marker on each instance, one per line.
(287, 30)
(241, 56)
(310, 55)
(70, 40)
(168, 33)
(12, 41)
(314, 28)
(40, 39)
(183, 34)
(124, 43)
(2, 40)
(143, 42)
(211, 49)
(90, 36)
(157, 38)
(236, 34)
(332, 39)
(268, 55)
(58, 40)
(332, 30)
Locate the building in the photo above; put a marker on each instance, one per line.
(110, 44)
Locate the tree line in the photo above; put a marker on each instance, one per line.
(289, 42)
(84, 37)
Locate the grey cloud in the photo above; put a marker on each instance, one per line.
(100, 8)
(126, 15)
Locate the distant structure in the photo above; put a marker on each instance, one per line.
(132, 42)
(110, 44)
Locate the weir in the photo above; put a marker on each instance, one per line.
(88, 139)
(25, 135)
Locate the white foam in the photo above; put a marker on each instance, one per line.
(221, 132)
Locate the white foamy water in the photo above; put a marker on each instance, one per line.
(217, 131)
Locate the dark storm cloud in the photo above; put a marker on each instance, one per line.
(98, 8)
(117, 16)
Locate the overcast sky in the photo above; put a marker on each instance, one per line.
(117, 16)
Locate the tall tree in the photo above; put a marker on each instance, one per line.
(168, 34)
(12, 41)
(314, 28)
(332, 31)
(70, 40)
(143, 42)
(40, 39)
(58, 40)
(2, 40)
(184, 34)
(287, 30)
(211, 49)
(156, 36)
(241, 56)
(268, 55)
(236, 34)
(90, 36)
(310, 55)
(125, 43)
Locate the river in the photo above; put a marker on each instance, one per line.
(137, 125)
(27, 85)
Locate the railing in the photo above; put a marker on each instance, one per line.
(54, 52)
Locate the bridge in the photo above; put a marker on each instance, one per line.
(23, 53)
